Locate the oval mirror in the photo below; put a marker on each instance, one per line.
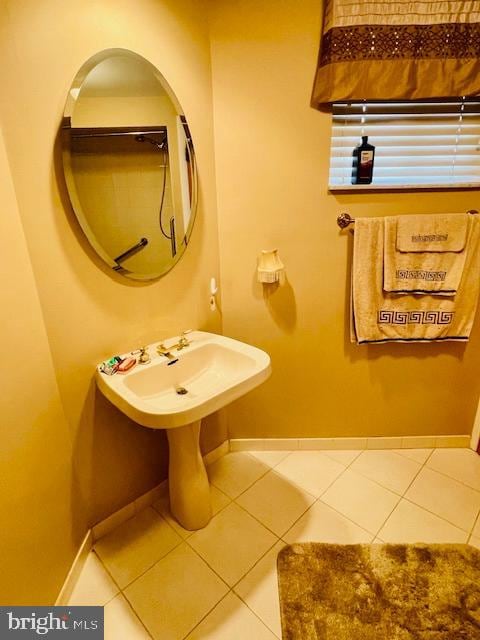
(129, 164)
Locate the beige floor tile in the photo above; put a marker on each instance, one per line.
(389, 469)
(410, 523)
(121, 622)
(461, 464)
(419, 455)
(270, 458)
(312, 471)
(94, 586)
(259, 589)
(232, 542)
(136, 545)
(445, 497)
(361, 500)
(231, 620)
(175, 594)
(474, 541)
(276, 502)
(321, 523)
(344, 457)
(162, 505)
(235, 472)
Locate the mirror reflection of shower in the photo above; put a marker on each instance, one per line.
(129, 163)
(163, 148)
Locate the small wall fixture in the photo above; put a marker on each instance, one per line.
(270, 268)
(213, 293)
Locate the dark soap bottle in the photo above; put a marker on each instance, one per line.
(363, 159)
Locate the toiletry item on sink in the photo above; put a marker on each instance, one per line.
(117, 364)
(109, 367)
(126, 364)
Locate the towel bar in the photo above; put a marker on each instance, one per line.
(345, 219)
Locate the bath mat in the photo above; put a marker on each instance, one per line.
(379, 592)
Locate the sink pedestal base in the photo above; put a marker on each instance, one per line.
(187, 478)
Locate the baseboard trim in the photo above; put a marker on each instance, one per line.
(75, 570)
(311, 444)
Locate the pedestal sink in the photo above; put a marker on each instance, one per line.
(209, 373)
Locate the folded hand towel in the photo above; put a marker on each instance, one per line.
(434, 272)
(385, 317)
(441, 232)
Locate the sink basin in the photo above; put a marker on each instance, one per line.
(175, 395)
(214, 370)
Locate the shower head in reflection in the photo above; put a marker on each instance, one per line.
(161, 146)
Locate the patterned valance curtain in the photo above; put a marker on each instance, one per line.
(397, 49)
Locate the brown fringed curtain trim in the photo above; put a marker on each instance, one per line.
(384, 60)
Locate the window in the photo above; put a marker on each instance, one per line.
(423, 145)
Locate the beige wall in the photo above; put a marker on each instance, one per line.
(90, 312)
(272, 155)
(37, 488)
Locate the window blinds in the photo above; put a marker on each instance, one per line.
(417, 144)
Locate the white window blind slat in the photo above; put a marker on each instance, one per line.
(430, 143)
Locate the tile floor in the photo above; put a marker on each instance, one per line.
(158, 581)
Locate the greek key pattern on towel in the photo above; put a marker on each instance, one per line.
(386, 316)
(407, 274)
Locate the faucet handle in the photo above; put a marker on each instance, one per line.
(184, 341)
(144, 356)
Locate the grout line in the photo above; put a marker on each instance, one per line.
(256, 614)
(266, 526)
(210, 566)
(119, 592)
(108, 573)
(207, 614)
(436, 515)
(325, 504)
(402, 496)
(155, 562)
(394, 491)
(137, 615)
(442, 473)
(359, 453)
(250, 485)
(203, 560)
(475, 523)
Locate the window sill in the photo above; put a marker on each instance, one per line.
(403, 187)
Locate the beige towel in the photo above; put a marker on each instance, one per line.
(433, 272)
(385, 317)
(441, 232)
